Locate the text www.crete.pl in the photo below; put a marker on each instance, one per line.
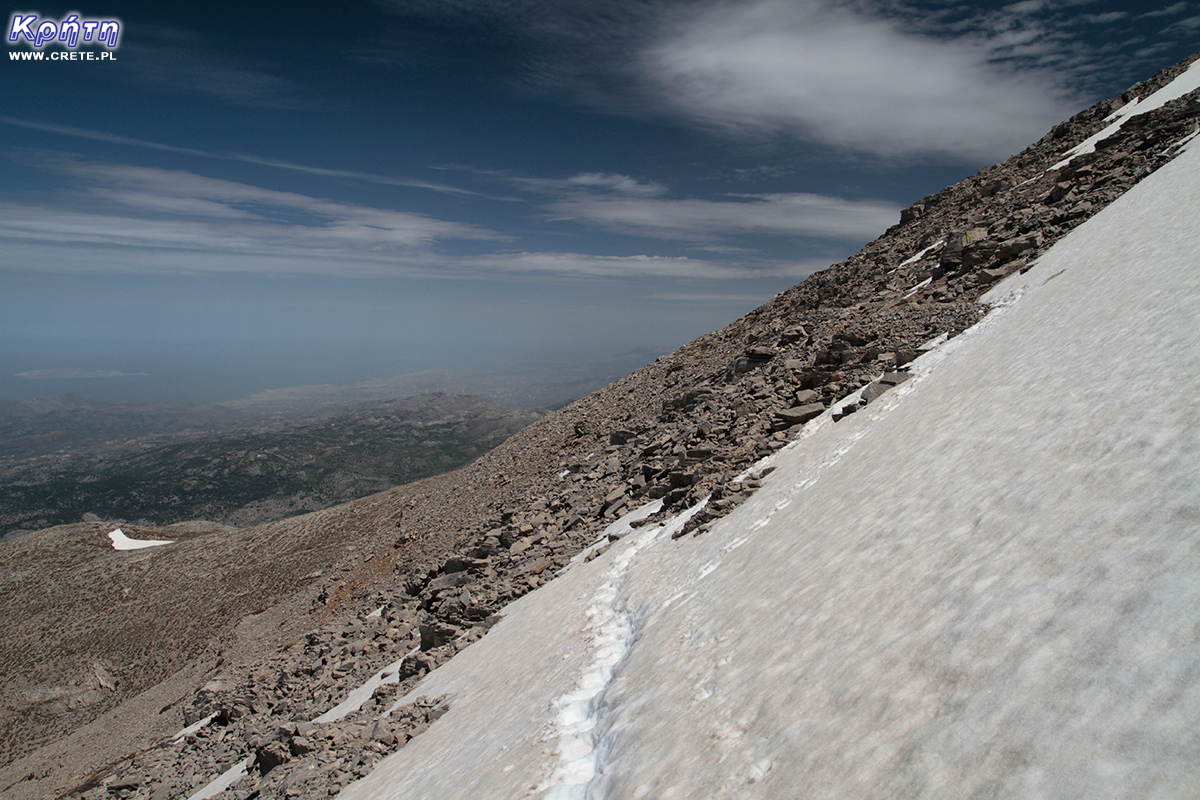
(60, 55)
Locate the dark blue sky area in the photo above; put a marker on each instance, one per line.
(261, 195)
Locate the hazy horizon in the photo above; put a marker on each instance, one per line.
(246, 198)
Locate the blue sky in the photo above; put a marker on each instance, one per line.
(262, 195)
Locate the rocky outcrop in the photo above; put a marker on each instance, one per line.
(442, 558)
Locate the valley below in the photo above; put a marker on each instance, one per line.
(160, 466)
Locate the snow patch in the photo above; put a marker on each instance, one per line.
(195, 726)
(224, 781)
(354, 701)
(1186, 81)
(122, 542)
(992, 592)
(918, 287)
(914, 259)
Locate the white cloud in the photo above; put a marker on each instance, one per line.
(231, 224)
(587, 265)
(846, 79)
(716, 299)
(143, 220)
(639, 266)
(129, 219)
(584, 182)
(1185, 26)
(943, 80)
(1169, 11)
(796, 214)
(1026, 7)
(1105, 18)
(91, 251)
(637, 207)
(621, 184)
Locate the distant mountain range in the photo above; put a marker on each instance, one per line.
(272, 454)
(545, 384)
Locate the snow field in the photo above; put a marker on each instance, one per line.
(983, 584)
(610, 630)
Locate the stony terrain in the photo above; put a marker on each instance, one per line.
(242, 471)
(437, 560)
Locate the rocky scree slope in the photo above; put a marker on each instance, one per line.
(441, 558)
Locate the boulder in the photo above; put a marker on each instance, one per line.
(912, 212)
(894, 378)
(806, 396)
(437, 634)
(451, 581)
(621, 437)
(271, 755)
(798, 415)
(952, 254)
(760, 354)
(874, 391)
(300, 745)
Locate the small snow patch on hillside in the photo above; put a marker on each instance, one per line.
(122, 542)
(1187, 82)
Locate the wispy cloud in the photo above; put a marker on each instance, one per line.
(715, 299)
(1169, 11)
(1105, 18)
(847, 79)
(640, 266)
(640, 207)
(1183, 27)
(794, 214)
(583, 264)
(73, 374)
(621, 184)
(132, 219)
(886, 78)
(172, 60)
(233, 226)
(112, 138)
(582, 183)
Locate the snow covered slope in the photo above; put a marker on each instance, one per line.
(984, 584)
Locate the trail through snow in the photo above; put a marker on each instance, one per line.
(985, 583)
